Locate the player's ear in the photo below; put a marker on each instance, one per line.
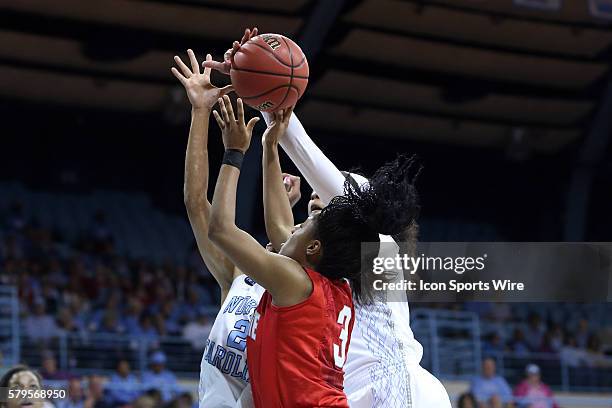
(313, 248)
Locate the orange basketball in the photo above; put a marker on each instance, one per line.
(269, 72)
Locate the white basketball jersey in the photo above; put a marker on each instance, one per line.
(223, 371)
(382, 350)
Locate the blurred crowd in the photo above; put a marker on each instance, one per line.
(155, 387)
(555, 331)
(85, 286)
(569, 338)
(490, 390)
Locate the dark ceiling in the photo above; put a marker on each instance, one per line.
(455, 71)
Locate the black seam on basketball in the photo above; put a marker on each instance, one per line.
(271, 90)
(301, 63)
(274, 55)
(291, 77)
(268, 73)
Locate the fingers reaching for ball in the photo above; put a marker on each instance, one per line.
(185, 71)
(283, 115)
(277, 127)
(225, 65)
(236, 134)
(223, 110)
(248, 34)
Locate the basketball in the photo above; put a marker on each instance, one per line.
(269, 72)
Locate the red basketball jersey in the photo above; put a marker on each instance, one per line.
(296, 353)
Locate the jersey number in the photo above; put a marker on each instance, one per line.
(237, 338)
(344, 318)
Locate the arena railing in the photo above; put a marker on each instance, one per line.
(452, 349)
(451, 342)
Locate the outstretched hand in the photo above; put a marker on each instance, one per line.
(236, 135)
(201, 93)
(225, 66)
(277, 127)
(292, 185)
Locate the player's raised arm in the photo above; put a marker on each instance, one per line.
(282, 276)
(202, 95)
(277, 209)
(318, 170)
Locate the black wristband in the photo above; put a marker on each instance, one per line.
(233, 157)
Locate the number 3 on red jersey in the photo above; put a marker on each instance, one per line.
(344, 318)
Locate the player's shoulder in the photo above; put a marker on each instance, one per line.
(243, 283)
(330, 290)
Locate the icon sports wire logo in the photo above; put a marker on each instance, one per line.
(412, 264)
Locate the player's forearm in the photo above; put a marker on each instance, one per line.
(322, 175)
(223, 211)
(240, 247)
(196, 201)
(196, 162)
(277, 209)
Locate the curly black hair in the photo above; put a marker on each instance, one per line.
(388, 205)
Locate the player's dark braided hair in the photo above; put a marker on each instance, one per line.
(387, 205)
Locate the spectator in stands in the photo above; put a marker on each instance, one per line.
(517, 344)
(532, 392)
(56, 274)
(160, 325)
(110, 323)
(66, 322)
(49, 369)
(490, 389)
(582, 333)
(196, 332)
(547, 344)
(75, 396)
(155, 396)
(132, 316)
(556, 338)
(195, 300)
(534, 332)
(571, 354)
(595, 357)
(467, 400)
(171, 315)
(493, 345)
(184, 400)
(97, 395)
(159, 378)
(123, 386)
(40, 327)
(51, 296)
(147, 329)
(144, 401)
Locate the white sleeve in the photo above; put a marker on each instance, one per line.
(322, 175)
